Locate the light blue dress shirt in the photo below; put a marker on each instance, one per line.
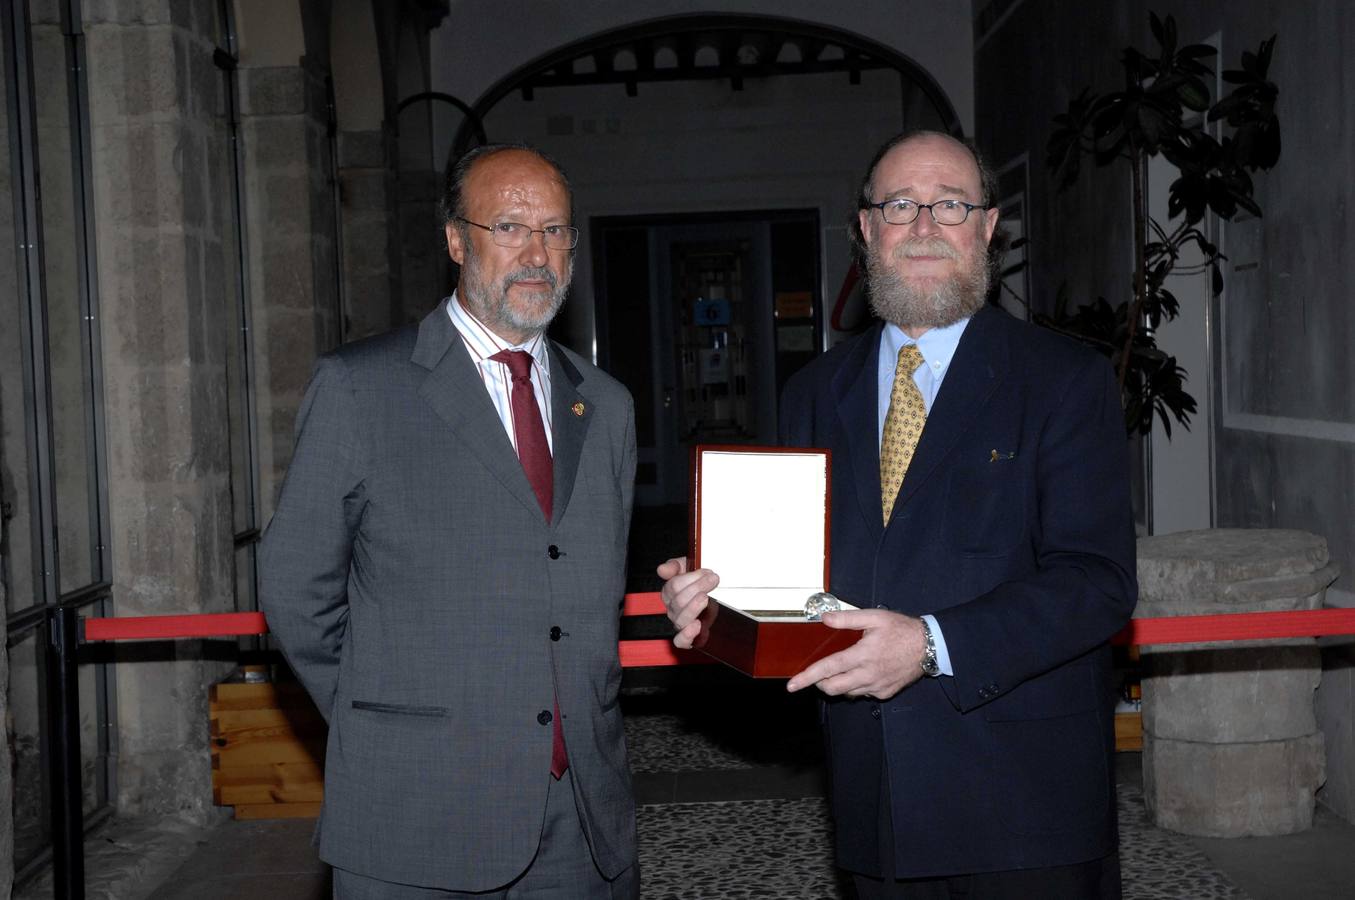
(937, 346)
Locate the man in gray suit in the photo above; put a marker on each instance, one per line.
(445, 570)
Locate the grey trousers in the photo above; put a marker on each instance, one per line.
(562, 869)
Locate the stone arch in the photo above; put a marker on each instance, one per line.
(659, 29)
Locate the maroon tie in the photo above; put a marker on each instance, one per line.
(534, 453)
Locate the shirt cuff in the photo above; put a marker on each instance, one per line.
(939, 639)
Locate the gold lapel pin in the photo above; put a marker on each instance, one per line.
(578, 408)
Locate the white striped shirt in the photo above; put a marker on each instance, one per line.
(482, 344)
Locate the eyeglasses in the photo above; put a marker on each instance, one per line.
(515, 234)
(944, 212)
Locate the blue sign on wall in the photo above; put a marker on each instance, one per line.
(710, 312)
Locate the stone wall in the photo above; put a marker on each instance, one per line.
(290, 227)
(11, 442)
(370, 244)
(162, 205)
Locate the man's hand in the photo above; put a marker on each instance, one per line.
(886, 659)
(685, 594)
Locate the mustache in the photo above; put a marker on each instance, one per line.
(529, 273)
(927, 246)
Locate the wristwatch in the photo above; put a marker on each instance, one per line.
(930, 668)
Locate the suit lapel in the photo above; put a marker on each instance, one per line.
(455, 392)
(858, 412)
(978, 367)
(570, 415)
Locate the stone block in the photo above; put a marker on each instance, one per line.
(130, 12)
(364, 189)
(134, 71)
(282, 280)
(1264, 693)
(1336, 717)
(1232, 790)
(272, 91)
(362, 149)
(139, 176)
(274, 143)
(284, 205)
(1189, 569)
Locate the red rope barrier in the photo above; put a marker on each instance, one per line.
(160, 628)
(1238, 627)
(661, 652)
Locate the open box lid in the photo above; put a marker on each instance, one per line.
(760, 519)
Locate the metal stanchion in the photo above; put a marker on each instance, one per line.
(63, 729)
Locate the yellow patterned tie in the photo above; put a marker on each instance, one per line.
(903, 426)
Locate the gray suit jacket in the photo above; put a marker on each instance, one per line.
(431, 611)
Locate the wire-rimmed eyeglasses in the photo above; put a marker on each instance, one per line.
(902, 211)
(514, 234)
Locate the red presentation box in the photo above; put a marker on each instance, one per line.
(760, 520)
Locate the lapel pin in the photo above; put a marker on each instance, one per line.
(1010, 454)
(578, 409)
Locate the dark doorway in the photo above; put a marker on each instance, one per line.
(703, 317)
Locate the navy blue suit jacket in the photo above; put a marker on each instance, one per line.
(1014, 528)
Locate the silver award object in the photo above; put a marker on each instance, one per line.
(820, 603)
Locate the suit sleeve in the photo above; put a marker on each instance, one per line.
(306, 551)
(1083, 588)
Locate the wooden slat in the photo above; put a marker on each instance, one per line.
(260, 748)
(280, 774)
(277, 811)
(226, 722)
(259, 695)
(1128, 731)
(251, 794)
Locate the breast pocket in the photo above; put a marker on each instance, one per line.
(986, 501)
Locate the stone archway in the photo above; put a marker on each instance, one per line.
(636, 48)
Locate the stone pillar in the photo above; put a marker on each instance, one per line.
(1336, 715)
(6, 775)
(290, 225)
(369, 236)
(1231, 745)
(11, 446)
(425, 267)
(161, 205)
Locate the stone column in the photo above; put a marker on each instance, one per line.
(424, 278)
(6, 778)
(290, 223)
(161, 206)
(1231, 745)
(370, 263)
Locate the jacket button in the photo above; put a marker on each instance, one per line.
(875, 712)
(553, 551)
(543, 717)
(555, 632)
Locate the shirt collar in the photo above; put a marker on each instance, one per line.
(483, 343)
(937, 345)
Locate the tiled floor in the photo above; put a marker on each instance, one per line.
(731, 806)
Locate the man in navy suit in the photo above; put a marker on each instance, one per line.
(970, 729)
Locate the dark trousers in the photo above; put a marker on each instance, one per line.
(1095, 880)
(1098, 879)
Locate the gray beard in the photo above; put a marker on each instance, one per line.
(894, 299)
(490, 304)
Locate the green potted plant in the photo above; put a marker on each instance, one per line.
(1166, 108)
